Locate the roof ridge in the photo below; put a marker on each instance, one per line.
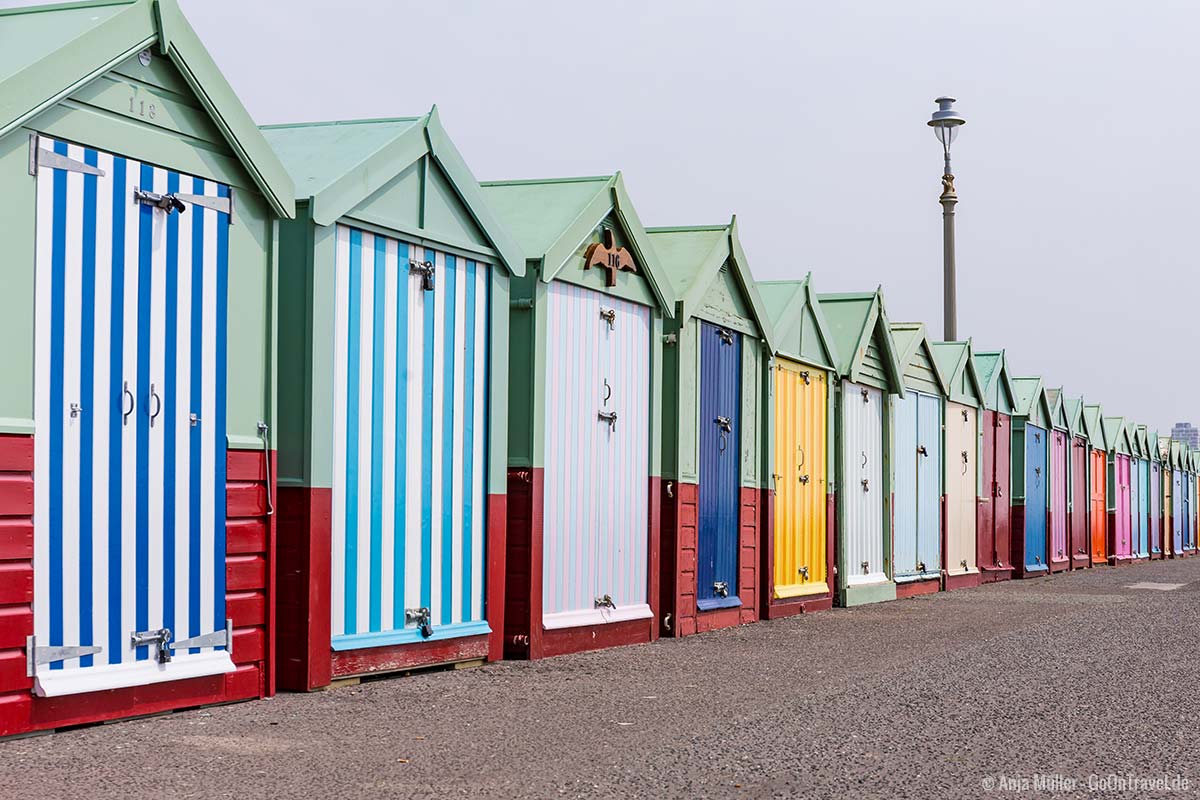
(688, 228)
(534, 181)
(336, 122)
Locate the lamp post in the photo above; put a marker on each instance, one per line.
(945, 122)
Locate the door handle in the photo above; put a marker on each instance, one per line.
(157, 405)
(128, 395)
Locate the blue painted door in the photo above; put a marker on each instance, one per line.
(1035, 498)
(720, 428)
(916, 495)
(129, 496)
(929, 484)
(1176, 511)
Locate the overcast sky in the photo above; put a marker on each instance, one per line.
(1076, 169)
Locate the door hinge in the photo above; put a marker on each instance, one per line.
(222, 204)
(221, 638)
(53, 160)
(36, 656)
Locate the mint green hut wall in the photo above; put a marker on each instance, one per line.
(378, 199)
(131, 80)
(585, 417)
(713, 515)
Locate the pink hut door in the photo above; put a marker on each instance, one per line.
(1058, 498)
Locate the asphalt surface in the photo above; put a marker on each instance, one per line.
(974, 693)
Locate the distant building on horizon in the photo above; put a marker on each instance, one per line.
(1186, 432)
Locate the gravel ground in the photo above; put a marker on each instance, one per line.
(961, 694)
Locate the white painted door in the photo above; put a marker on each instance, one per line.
(597, 449)
(863, 488)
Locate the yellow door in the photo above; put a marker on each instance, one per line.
(961, 466)
(801, 397)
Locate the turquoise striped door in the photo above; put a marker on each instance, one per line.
(409, 443)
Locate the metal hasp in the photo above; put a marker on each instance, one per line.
(610, 417)
(164, 202)
(421, 617)
(425, 269)
(161, 639)
(945, 123)
(721, 588)
(804, 573)
(605, 602)
(609, 315)
(36, 656)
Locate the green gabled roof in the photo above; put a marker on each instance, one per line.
(1058, 413)
(550, 218)
(911, 339)
(956, 361)
(693, 257)
(50, 51)
(800, 330)
(1074, 411)
(1152, 448)
(1028, 393)
(1117, 436)
(992, 368)
(853, 319)
(1176, 454)
(1093, 423)
(338, 165)
(1135, 440)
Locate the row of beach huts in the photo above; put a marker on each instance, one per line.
(290, 404)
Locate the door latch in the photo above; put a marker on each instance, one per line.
(804, 376)
(610, 417)
(164, 202)
(194, 419)
(866, 567)
(804, 479)
(425, 269)
(76, 410)
(804, 573)
(160, 639)
(421, 617)
(609, 315)
(920, 566)
(866, 484)
(721, 588)
(866, 396)
(922, 450)
(725, 335)
(605, 602)
(963, 563)
(966, 416)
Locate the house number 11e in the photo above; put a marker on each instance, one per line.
(142, 108)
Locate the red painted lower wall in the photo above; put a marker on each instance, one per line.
(306, 658)
(250, 595)
(1018, 545)
(680, 617)
(524, 635)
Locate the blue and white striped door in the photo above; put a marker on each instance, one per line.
(717, 525)
(409, 443)
(129, 493)
(596, 485)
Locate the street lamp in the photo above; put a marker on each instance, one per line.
(945, 122)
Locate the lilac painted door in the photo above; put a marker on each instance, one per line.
(1059, 553)
(1123, 547)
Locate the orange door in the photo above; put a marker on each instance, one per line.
(1099, 508)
